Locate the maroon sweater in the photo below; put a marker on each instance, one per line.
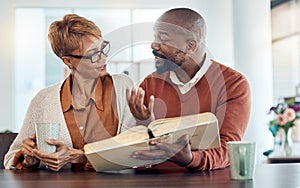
(222, 91)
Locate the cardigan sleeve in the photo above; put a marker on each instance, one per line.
(126, 119)
(44, 107)
(13, 155)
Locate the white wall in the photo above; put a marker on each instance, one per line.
(238, 35)
(6, 63)
(252, 46)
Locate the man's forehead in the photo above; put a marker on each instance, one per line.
(170, 28)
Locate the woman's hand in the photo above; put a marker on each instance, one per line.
(28, 145)
(62, 156)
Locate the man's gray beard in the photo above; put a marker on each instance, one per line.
(166, 66)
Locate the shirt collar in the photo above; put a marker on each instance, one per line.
(185, 87)
(66, 96)
(97, 95)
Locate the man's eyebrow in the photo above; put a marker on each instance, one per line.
(163, 33)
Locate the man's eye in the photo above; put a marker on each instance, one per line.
(160, 39)
(163, 40)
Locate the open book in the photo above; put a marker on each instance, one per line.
(115, 153)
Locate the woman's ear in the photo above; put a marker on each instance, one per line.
(67, 61)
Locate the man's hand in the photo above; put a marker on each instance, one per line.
(179, 152)
(135, 100)
(62, 156)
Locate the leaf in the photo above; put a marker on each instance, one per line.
(268, 152)
(273, 129)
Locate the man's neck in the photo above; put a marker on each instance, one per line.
(186, 74)
(187, 71)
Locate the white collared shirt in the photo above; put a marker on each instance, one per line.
(185, 87)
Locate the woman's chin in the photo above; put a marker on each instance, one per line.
(103, 73)
(101, 70)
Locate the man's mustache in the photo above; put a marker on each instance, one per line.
(155, 53)
(164, 65)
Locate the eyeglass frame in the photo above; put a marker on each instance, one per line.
(90, 57)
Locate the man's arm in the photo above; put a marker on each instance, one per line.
(233, 116)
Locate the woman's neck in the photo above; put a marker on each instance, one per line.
(82, 88)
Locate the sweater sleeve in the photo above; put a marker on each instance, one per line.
(232, 112)
(44, 107)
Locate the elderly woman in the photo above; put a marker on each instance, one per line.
(90, 104)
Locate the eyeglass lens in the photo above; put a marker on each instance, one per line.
(105, 49)
(96, 57)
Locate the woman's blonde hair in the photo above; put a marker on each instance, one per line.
(65, 35)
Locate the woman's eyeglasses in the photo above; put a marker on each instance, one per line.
(95, 57)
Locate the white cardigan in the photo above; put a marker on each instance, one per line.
(46, 107)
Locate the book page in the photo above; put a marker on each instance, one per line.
(201, 128)
(129, 137)
(167, 125)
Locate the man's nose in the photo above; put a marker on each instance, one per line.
(155, 46)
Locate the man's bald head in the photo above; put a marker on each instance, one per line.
(188, 19)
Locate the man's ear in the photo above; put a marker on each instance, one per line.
(191, 45)
(67, 61)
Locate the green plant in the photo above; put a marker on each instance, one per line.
(7, 131)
